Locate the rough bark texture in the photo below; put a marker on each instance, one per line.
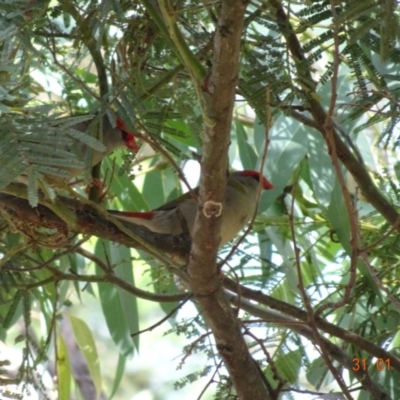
(29, 221)
(202, 269)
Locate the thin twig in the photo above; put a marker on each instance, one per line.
(311, 316)
(281, 381)
(210, 381)
(351, 210)
(162, 320)
(302, 317)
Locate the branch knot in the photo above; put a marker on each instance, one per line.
(212, 209)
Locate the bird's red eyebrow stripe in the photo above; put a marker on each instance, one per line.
(265, 183)
(120, 124)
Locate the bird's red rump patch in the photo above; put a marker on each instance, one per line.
(135, 214)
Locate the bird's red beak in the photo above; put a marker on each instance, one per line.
(267, 184)
(129, 137)
(131, 142)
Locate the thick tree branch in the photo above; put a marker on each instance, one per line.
(219, 97)
(87, 220)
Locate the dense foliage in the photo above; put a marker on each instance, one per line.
(313, 286)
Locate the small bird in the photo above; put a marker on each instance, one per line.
(238, 208)
(65, 165)
(113, 138)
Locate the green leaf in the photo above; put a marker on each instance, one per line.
(33, 196)
(12, 310)
(63, 369)
(87, 346)
(114, 312)
(259, 133)
(121, 257)
(87, 76)
(248, 156)
(288, 146)
(266, 252)
(181, 126)
(338, 217)
(289, 365)
(395, 344)
(130, 198)
(119, 373)
(318, 373)
(321, 169)
(153, 188)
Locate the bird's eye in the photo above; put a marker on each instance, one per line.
(256, 177)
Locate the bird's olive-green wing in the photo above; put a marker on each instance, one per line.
(175, 203)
